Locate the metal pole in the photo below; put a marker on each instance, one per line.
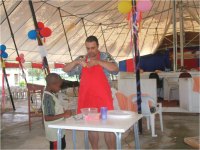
(181, 32)
(65, 34)
(103, 37)
(44, 60)
(5, 76)
(84, 27)
(137, 62)
(13, 38)
(174, 38)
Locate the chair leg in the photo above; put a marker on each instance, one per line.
(148, 127)
(161, 121)
(152, 119)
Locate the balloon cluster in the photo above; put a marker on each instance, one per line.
(21, 58)
(42, 30)
(125, 6)
(3, 51)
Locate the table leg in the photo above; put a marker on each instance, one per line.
(136, 136)
(118, 140)
(86, 139)
(74, 138)
(59, 140)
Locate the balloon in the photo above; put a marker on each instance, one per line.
(23, 60)
(21, 55)
(40, 25)
(4, 55)
(32, 34)
(18, 59)
(124, 7)
(2, 47)
(143, 5)
(45, 32)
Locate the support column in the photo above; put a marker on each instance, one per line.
(174, 37)
(181, 32)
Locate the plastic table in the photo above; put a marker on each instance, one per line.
(115, 125)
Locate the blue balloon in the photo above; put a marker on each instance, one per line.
(32, 34)
(4, 55)
(2, 47)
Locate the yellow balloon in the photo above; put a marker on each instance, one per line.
(124, 7)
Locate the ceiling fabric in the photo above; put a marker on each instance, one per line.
(97, 16)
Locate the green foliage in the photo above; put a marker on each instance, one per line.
(37, 73)
(22, 84)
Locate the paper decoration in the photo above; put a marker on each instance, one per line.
(42, 51)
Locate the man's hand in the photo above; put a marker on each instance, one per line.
(81, 62)
(93, 62)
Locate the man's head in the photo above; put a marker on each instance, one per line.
(54, 82)
(92, 45)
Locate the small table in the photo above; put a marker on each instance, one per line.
(117, 126)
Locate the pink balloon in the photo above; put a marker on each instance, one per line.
(143, 5)
(22, 60)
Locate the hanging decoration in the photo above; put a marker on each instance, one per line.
(42, 31)
(42, 51)
(45, 32)
(20, 58)
(3, 51)
(124, 7)
(144, 5)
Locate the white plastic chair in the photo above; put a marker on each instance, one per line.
(148, 115)
(171, 87)
(115, 101)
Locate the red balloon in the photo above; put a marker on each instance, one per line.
(18, 59)
(40, 25)
(45, 32)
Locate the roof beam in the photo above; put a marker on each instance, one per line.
(193, 15)
(3, 17)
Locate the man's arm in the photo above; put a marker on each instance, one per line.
(107, 62)
(110, 66)
(78, 61)
(69, 66)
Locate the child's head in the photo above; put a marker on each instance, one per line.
(53, 82)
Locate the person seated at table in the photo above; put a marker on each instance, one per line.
(53, 111)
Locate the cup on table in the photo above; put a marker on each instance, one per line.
(103, 111)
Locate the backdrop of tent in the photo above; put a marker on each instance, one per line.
(82, 18)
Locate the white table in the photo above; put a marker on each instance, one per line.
(117, 126)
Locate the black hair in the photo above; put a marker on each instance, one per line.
(52, 77)
(92, 39)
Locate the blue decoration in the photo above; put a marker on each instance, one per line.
(32, 34)
(2, 47)
(122, 66)
(4, 55)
